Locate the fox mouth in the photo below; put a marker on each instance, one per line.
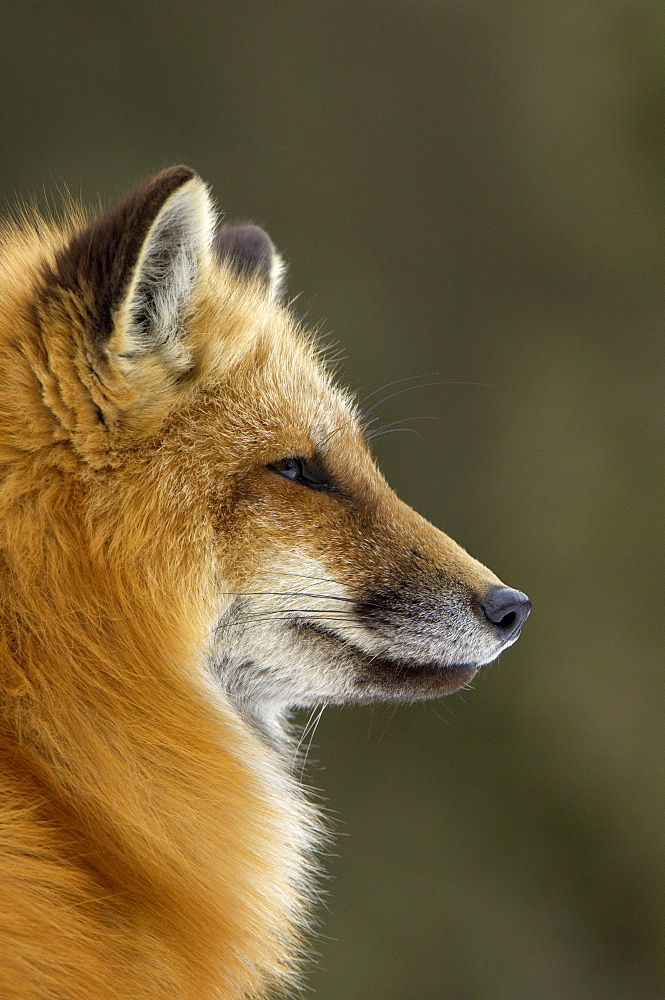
(377, 677)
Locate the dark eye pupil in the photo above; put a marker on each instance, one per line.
(298, 470)
(292, 468)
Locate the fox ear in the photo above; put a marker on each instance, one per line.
(137, 265)
(249, 251)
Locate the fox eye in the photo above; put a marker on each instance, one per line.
(290, 468)
(300, 471)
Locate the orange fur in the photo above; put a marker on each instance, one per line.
(153, 843)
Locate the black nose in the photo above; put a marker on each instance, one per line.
(507, 609)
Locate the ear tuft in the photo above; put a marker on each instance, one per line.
(249, 251)
(139, 262)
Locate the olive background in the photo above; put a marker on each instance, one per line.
(471, 194)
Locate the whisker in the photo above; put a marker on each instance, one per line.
(298, 593)
(311, 738)
(396, 381)
(392, 716)
(399, 392)
(409, 388)
(341, 625)
(336, 430)
(305, 731)
(276, 617)
(305, 576)
(365, 417)
(402, 420)
(380, 431)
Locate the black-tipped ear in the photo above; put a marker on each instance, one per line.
(137, 264)
(250, 252)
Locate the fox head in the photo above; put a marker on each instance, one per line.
(208, 460)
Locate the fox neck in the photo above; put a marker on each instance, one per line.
(113, 732)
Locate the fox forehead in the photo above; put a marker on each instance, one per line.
(260, 375)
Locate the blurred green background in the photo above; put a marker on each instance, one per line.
(473, 192)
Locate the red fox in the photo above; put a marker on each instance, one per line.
(194, 539)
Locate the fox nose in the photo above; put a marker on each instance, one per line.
(507, 609)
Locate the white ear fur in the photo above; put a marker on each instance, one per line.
(277, 280)
(153, 310)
